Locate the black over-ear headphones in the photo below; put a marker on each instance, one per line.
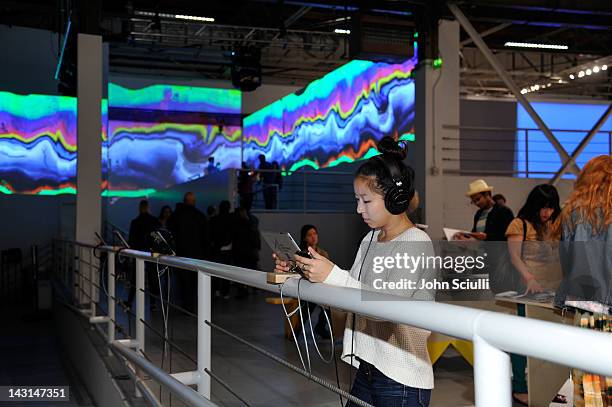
(398, 194)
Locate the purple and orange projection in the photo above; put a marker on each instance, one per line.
(338, 118)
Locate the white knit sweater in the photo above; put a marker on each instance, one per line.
(398, 351)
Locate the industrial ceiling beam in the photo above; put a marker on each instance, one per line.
(585, 141)
(467, 26)
(485, 33)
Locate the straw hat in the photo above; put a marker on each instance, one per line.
(477, 187)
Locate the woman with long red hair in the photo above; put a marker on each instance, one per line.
(586, 260)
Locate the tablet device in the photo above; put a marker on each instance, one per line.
(283, 244)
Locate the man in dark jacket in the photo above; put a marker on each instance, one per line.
(139, 238)
(491, 220)
(189, 227)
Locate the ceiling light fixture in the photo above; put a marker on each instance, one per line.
(174, 16)
(342, 31)
(580, 74)
(194, 18)
(604, 67)
(588, 72)
(595, 69)
(534, 45)
(572, 76)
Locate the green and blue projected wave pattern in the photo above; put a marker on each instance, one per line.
(338, 118)
(38, 140)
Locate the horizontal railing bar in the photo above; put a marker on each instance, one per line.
(555, 342)
(177, 388)
(514, 129)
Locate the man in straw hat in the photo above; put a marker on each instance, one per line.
(491, 220)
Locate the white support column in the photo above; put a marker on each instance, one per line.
(89, 145)
(204, 337)
(492, 375)
(437, 104)
(111, 299)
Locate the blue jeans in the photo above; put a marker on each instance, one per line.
(375, 388)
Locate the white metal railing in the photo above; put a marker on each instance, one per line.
(509, 151)
(494, 334)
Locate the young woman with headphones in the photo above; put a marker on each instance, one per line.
(393, 364)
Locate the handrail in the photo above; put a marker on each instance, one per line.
(513, 129)
(492, 333)
(177, 388)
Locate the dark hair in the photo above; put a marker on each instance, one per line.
(303, 232)
(376, 173)
(163, 208)
(541, 196)
(224, 207)
(144, 204)
(499, 196)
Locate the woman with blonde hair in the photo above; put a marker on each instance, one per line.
(586, 260)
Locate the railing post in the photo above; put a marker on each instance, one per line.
(204, 337)
(79, 280)
(140, 309)
(492, 371)
(111, 299)
(92, 286)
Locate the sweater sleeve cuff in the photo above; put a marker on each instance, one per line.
(337, 277)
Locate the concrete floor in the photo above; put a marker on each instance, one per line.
(30, 354)
(263, 382)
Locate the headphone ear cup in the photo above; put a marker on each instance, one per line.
(396, 200)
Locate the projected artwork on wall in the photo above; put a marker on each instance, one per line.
(158, 155)
(38, 140)
(537, 155)
(37, 144)
(338, 118)
(176, 98)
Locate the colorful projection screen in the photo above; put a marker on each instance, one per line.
(336, 119)
(162, 135)
(139, 155)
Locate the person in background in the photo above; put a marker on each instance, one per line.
(533, 246)
(221, 235)
(536, 258)
(139, 239)
(268, 178)
(164, 215)
(189, 227)
(499, 199)
(586, 261)
(246, 180)
(211, 168)
(246, 243)
(211, 211)
(491, 220)
(309, 237)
